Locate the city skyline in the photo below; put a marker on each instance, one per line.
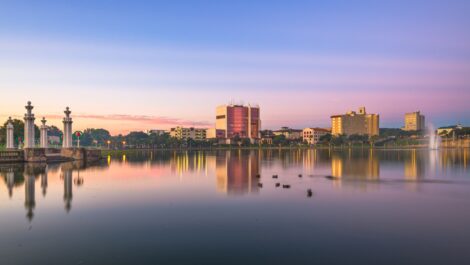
(127, 72)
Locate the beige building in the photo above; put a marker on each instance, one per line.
(290, 134)
(355, 123)
(449, 129)
(414, 121)
(312, 135)
(188, 133)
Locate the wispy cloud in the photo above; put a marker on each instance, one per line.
(141, 119)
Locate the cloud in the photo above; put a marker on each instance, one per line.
(141, 119)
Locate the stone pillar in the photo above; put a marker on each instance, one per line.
(29, 126)
(44, 139)
(10, 138)
(67, 138)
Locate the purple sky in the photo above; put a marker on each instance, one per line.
(136, 65)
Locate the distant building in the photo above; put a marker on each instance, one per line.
(414, 121)
(157, 132)
(266, 137)
(355, 123)
(312, 135)
(188, 133)
(290, 134)
(54, 140)
(449, 129)
(238, 120)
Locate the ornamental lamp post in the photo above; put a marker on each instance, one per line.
(78, 134)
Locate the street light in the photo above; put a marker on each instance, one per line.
(108, 142)
(123, 144)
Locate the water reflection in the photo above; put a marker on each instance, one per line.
(29, 197)
(355, 164)
(235, 172)
(68, 195)
(31, 172)
(414, 165)
(44, 183)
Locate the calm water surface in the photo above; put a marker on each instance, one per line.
(378, 207)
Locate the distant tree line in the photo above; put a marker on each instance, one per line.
(101, 138)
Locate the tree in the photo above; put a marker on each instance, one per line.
(18, 131)
(236, 139)
(325, 138)
(137, 139)
(280, 140)
(94, 137)
(338, 140)
(358, 138)
(246, 142)
(54, 131)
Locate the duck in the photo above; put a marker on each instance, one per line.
(286, 186)
(275, 176)
(309, 193)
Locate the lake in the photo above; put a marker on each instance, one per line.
(356, 206)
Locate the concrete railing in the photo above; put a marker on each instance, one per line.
(8, 156)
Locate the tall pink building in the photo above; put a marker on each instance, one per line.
(238, 120)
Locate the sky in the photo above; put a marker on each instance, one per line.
(137, 65)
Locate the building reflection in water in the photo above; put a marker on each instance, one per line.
(236, 172)
(454, 158)
(181, 163)
(361, 164)
(414, 166)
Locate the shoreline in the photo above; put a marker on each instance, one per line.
(110, 151)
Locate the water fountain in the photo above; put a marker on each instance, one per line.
(434, 140)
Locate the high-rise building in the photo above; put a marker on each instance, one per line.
(355, 123)
(188, 133)
(238, 120)
(312, 135)
(414, 121)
